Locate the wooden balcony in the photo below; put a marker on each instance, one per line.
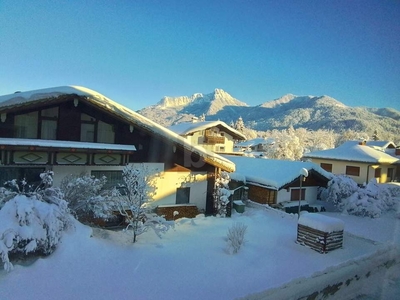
(213, 139)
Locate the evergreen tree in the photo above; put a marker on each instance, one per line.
(375, 136)
(239, 125)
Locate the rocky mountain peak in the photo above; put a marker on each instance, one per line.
(310, 112)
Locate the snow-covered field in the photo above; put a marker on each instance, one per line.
(191, 261)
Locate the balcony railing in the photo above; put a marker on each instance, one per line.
(213, 139)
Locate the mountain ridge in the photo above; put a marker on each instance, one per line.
(311, 112)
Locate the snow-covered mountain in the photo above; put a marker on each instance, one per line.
(311, 112)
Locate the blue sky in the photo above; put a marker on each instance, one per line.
(136, 52)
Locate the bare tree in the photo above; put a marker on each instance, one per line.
(132, 201)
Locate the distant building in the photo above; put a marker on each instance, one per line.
(361, 160)
(277, 182)
(254, 145)
(215, 136)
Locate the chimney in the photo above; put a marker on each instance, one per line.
(362, 143)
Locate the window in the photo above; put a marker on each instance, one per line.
(378, 172)
(326, 167)
(93, 130)
(295, 194)
(31, 175)
(105, 133)
(182, 195)
(114, 178)
(390, 174)
(352, 171)
(87, 132)
(87, 128)
(51, 113)
(48, 130)
(26, 125)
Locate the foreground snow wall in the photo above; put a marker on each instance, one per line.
(363, 276)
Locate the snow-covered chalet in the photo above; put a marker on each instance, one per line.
(215, 136)
(361, 160)
(73, 130)
(277, 182)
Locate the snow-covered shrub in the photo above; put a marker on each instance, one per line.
(371, 200)
(235, 237)
(32, 222)
(394, 191)
(339, 188)
(221, 193)
(397, 209)
(85, 196)
(132, 202)
(5, 195)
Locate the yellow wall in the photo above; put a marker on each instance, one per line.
(366, 169)
(198, 139)
(166, 182)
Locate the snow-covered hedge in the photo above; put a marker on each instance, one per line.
(31, 221)
(86, 197)
(371, 200)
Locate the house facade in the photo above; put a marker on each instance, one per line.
(74, 130)
(215, 136)
(362, 161)
(254, 145)
(277, 182)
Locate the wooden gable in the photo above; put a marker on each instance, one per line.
(150, 147)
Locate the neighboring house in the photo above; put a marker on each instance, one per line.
(361, 161)
(215, 136)
(274, 182)
(254, 145)
(73, 129)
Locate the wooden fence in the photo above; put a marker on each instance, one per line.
(317, 240)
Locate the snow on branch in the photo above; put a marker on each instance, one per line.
(132, 199)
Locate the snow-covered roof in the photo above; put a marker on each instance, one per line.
(321, 222)
(380, 144)
(353, 151)
(272, 173)
(253, 142)
(65, 144)
(99, 100)
(191, 127)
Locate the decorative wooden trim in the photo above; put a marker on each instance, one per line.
(107, 159)
(32, 158)
(68, 158)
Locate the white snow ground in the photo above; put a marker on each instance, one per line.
(191, 262)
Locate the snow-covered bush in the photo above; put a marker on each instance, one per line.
(132, 202)
(85, 196)
(371, 200)
(5, 195)
(394, 191)
(32, 222)
(235, 237)
(339, 188)
(221, 193)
